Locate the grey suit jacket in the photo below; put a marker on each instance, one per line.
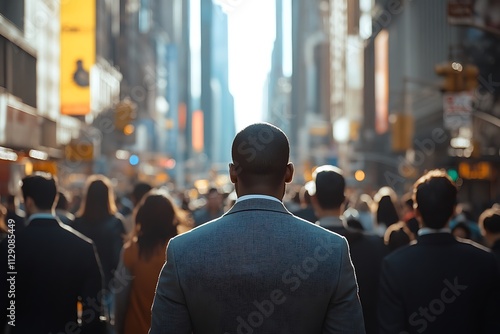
(257, 269)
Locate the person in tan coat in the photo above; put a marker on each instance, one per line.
(141, 262)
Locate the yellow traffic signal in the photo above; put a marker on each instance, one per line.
(457, 77)
(402, 128)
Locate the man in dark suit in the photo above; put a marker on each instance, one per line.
(367, 251)
(439, 284)
(258, 268)
(48, 268)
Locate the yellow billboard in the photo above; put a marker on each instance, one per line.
(78, 20)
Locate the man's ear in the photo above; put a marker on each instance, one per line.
(29, 203)
(289, 173)
(233, 172)
(314, 201)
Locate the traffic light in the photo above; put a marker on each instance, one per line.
(453, 174)
(401, 132)
(458, 78)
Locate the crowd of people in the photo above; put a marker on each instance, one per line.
(254, 261)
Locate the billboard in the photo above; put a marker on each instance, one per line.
(78, 49)
(482, 14)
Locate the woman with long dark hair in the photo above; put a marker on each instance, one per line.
(386, 212)
(156, 220)
(99, 220)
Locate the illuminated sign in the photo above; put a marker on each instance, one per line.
(478, 171)
(78, 19)
(382, 82)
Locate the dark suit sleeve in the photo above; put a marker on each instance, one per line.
(170, 313)
(392, 318)
(92, 292)
(345, 314)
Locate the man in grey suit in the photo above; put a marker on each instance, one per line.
(258, 268)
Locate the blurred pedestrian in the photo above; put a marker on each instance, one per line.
(306, 210)
(55, 267)
(214, 208)
(439, 284)
(140, 189)
(408, 213)
(386, 212)
(99, 220)
(367, 250)
(142, 258)
(62, 209)
(398, 235)
(258, 268)
(463, 215)
(489, 223)
(462, 231)
(365, 215)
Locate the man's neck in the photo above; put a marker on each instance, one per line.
(260, 191)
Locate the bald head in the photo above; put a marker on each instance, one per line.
(260, 155)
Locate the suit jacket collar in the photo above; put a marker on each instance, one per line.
(436, 238)
(258, 204)
(44, 221)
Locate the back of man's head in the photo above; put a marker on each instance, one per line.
(328, 186)
(435, 197)
(260, 155)
(140, 189)
(41, 188)
(489, 221)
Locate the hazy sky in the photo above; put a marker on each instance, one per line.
(251, 37)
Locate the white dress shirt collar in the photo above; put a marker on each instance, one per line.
(428, 230)
(257, 196)
(40, 216)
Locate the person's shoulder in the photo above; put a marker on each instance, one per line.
(119, 217)
(474, 249)
(402, 253)
(74, 235)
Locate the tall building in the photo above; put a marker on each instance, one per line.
(311, 113)
(278, 85)
(408, 125)
(216, 101)
(154, 60)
